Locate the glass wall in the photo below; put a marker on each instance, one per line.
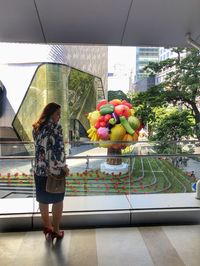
(143, 175)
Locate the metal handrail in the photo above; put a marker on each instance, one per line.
(107, 142)
(105, 156)
(130, 155)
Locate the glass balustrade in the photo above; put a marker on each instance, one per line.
(145, 174)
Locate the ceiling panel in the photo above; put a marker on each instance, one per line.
(150, 22)
(19, 22)
(162, 22)
(83, 21)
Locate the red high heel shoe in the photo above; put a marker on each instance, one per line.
(57, 236)
(47, 232)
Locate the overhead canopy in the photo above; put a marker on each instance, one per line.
(109, 22)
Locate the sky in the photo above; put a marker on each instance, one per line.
(16, 53)
(121, 63)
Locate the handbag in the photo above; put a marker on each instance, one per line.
(55, 183)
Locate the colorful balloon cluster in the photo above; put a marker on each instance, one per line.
(115, 121)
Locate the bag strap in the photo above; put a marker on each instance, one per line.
(49, 159)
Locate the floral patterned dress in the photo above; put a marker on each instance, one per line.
(49, 157)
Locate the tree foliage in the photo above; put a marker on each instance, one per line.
(172, 125)
(181, 86)
(117, 95)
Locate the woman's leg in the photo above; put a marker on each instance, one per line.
(44, 210)
(57, 209)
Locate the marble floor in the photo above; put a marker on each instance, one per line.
(125, 246)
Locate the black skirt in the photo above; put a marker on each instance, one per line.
(45, 197)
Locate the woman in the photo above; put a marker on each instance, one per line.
(49, 157)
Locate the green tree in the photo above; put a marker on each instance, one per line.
(181, 85)
(117, 95)
(146, 105)
(172, 125)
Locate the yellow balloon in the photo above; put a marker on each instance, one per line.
(93, 117)
(117, 132)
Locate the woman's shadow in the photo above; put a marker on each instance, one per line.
(57, 251)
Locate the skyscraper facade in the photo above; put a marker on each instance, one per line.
(144, 55)
(164, 53)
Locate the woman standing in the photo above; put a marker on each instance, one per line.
(49, 157)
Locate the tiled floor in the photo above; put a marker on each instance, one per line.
(127, 246)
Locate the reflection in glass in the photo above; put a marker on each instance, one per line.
(76, 91)
(16, 178)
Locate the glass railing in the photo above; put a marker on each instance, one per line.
(141, 173)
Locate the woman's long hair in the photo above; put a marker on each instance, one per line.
(46, 114)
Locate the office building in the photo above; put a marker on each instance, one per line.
(144, 55)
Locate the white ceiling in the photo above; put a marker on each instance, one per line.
(109, 22)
